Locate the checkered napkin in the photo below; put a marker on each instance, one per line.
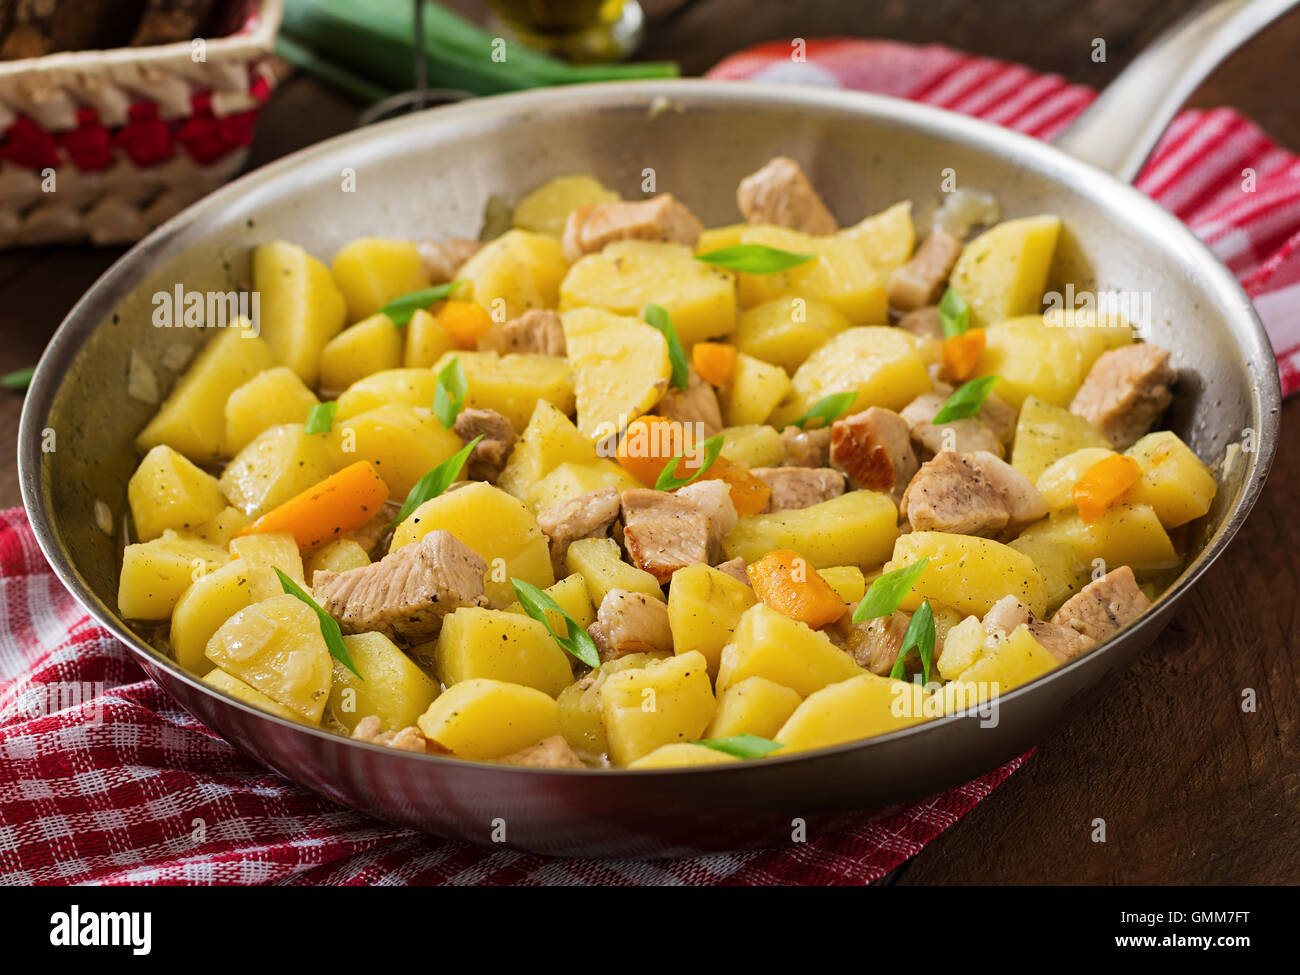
(103, 779)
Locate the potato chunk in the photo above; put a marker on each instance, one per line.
(1003, 272)
(414, 387)
(752, 391)
(484, 719)
(1016, 660)
(403, 443)
(626, 276)
(167, 491)
(1047, 356)
(683, 755)
(241, 691)
(622, 369)
(785, 651)
(279, 463)
(493, 524)
(156, 573)
(192, 418)
(549, 439)
(371, 271)
(517, 271)
(754, 706)
(372, 345)
(861, 707)
(269, 399)
(704, 606)
(500, 646)
(840, 275)
(857, 528)
(569, 480)
(786, 330)
(301, 307)
(204, 606)
(512, 384)
(276, 647)
(968, 573)
(1174, 481)
(601, 565)
(391, 687)
(665, 702)
(545, 209)
(1046, 433)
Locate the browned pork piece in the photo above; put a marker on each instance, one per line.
(665, 532)
(406, 594)
(806, 448)
(874, 448)
(970, 494)
(553, 752)
(921, 280)
(874, 644)
(1125, 392)
(537, 331)
(780, 193)
(967, 435)
(443, 258)
(489, 455)
(589, 228)
(696, 404)
(1102, 608)
(371, 729)
(631, 622)
(734, 568)
(1008, 613)
(586, 516)
(923, 322)
(799, 487)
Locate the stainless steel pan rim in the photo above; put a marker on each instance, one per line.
(1100, 188)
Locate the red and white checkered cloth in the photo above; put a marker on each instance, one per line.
(104, 779)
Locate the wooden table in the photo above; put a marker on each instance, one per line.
(1192, 789)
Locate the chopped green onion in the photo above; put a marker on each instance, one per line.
(539, 605)
(449, 395)
(954, 314)
(966, 400)
(741, 746)
(919, 636)
(657, 317)
(19, 379)
(400, 309)
(329, 627)
(435, 482)
(828, 409)
(887, 592)
(668, 480)
(321, 417)
(754, 259)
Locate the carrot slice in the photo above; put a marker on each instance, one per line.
(787, 582)
(749, 494)
(962, 352)
(343, 502)
(1104, 484)
(714, 361)
(650, 442)
(465, 321)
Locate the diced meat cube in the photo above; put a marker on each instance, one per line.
(806, 448)
(967, 435)
(874, 448)
(735, 568)
(696, 404)
(409, 739)
(443, 258)
(589, 228)
(780, 194)
(999, 416)
(921, 280)
(874, 644)
(923, 322)
(631, 622)
(1102, 608)
(1005, 615)
(970, 494)
(406, 594)
(1125, 392)
(1008, 614)
(664, 532)
(553, 752)
(537, 331)
(586, 516)
(799, 487)
(490, 454)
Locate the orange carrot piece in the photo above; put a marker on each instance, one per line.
(465, 321)
(1104, 484)
(343, 502)
(749, 494)
(650, 442)
(962, 352)
(787, 582)
(714, 361)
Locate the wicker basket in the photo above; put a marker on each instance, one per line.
(105, 145)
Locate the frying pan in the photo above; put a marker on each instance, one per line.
(430, 175)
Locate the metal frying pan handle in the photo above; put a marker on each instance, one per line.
(1118, 131)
